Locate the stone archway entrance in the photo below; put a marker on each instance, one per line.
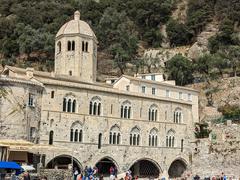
(145, 169)
(63, 162)
(104, 166)
(177, 168)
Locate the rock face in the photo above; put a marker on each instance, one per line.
(220, 153)
(201, 45)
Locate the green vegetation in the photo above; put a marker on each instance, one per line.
(29, 27)
(202, 130)
(230, 111)
(180, 69)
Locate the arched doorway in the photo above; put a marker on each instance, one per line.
(177, 168)
(104, 166)
(63, 162)
(145, 169)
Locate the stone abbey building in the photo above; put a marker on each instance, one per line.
(142, 123)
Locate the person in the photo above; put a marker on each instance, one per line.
(95, 172)
(80, 177)
(85, 173)
(26, 176)
(197, 177)
(89, 172)
(115, 171)
(75, 173)
(126, 176)
(111, 170)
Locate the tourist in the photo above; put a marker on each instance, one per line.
(80, 177)
(85, 173)
(126, 177)
(89, 172)
(197, 177)
(26, 176)
(75, 173)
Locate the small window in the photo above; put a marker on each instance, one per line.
(167, 93)
(73, 45)
(127, 88)
(100, 141)
(70, 73)
(59, 47)
(86, 47)
(83, 47)
(153, 77)
(189, 97)
(143, 77)
(69, 46)
(143, 89)
(52, 94)
(31, 100)
(50, 142)
(180, 95)
(153, 91)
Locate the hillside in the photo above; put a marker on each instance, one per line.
(125, 30)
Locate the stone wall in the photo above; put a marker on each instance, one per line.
(56, 174)
(220, 153)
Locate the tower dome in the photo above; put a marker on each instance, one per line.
(76, 26)
(76, 50)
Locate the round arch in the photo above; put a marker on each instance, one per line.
(145, 168)
(63, 162)
(177, 168)
(104, 164)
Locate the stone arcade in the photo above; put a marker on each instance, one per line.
(142, 123)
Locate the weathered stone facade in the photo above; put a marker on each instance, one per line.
(133, 120)
(220, 153)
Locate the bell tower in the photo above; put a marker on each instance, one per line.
(76, 50)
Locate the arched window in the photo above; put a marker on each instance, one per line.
(153, 137)
(80, 135)
(100, 141)
(59, 47)
(135, 136)
(70, 73)
(86, 47)
(73, 45)
(182, 145)
(152, 113)
(71, 135)
(83, 47)
(74, 106)
(64, 104)
(51, 137)
(95, 106)
(114, 135)
(76, 132)
(69, 46)
(178, 116)
(126, 110)
(69, 104)
(170, 138)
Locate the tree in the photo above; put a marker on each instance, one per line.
(180, 69)
(220, 62)
(178, 33)
(120, 37)
(204, 66)
(233, 55)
